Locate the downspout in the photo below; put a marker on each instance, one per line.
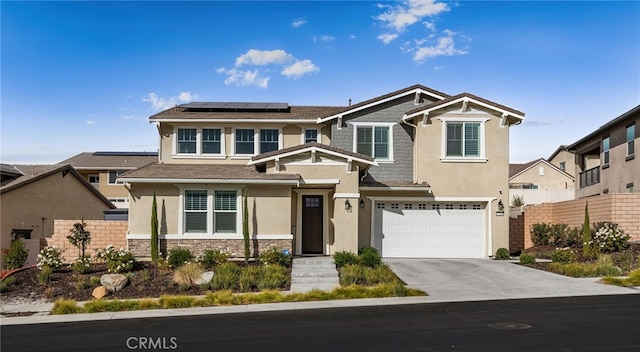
(415, 150)
(159, 144)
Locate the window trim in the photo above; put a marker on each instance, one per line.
(256, 140)
(97, 176)
(199, 141)
(118, 173)
(482, 135)
(303, 136)
(210, 232)
(389, 159)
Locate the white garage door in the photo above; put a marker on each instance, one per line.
(430, 230)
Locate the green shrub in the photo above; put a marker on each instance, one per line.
(66, 306)
(187, 274)
(380, 274)
(343, 258)
(81, 265)
(179, 256)
(517, 201)
(6, 283)
(352, 274)
(502, 254)
(608, 238)
(212, 258)
(272, 277)
(169, 302)
(248, 278)
(563, 256)
(101, 305)
(16, 256)
(540, 234)
(45, 275)
(274, 256)
(526, 258)
(603, 267)
(369, 256)
(51, 257)
(225, 276)
(117, 261)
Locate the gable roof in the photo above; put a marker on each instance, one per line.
(33, 173)
(111, 160)
(462, 98)
(303, 114)
(200, 173)
(518, 169)
(312, 147)
(416, 88)
(605, 127)
(557, 151)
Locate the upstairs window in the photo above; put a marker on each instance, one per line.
(244, 141)
(463, 139)
(113, 176)
(187, 140)
(563, 165)
(374, 141)
(311, 136)
(211, 141)
(268, 140)
(631, 135)
(605, 151)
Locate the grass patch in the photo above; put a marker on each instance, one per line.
(631, 281)
(603, 267)
(227, 298)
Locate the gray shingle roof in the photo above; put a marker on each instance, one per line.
(203, 171)
(111, 160)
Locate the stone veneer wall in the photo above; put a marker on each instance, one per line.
(142, 248)
(103, 233)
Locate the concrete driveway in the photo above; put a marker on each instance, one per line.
(452, 280)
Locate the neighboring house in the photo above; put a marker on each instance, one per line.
(32, 196)
(539, 181)
(564, 160)
(606, 158)
(102, 169)
(414, 173)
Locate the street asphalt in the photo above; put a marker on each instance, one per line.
(444, 280)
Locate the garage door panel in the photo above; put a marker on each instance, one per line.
(420, 230)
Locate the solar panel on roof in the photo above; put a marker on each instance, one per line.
(235, 106)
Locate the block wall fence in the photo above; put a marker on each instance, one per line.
(103, 233)
(620, 208)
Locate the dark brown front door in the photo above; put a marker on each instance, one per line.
(312, 227)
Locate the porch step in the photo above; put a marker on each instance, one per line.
(314, 273)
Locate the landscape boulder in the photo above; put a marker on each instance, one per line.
(204, 278)
(99, 292)
(113, 282)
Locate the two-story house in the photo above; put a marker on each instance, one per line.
(102, 169)
(605, 158)
(539, 181)
(414, 173)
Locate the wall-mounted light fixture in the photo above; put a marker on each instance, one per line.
(361, 203)
(500, 205)
(347, 205)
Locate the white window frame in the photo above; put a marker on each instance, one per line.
(97, 176)
(183, 211)
(482, 134)
(389, 125)
(256, 140)
(199, 153)
(259, 146)
(118, 173)
(303, 138)
(210, 212)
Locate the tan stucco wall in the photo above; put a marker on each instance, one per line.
(269, 208)
(52, 197)
(467, 179)
(109, 190)
(291, 136)
(551, 178)
(569, 160)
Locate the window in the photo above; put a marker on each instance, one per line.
(630, 187)
(408, 206)
(435, 206)
(94, 179)
(462, 207)
(268, 140)
(448, 206)
(113, 176)
(225, 211)
(211, 142)
(380, 205)
(373, 141)
(311, 136)
(195, 211)
(605, 151)
(631, 134)
(422, 206)
(463, 139)
(476, 207)
(186, 141)
(244, 141)
(563, 165)
(394, 205)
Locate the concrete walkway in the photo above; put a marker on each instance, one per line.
(453, 280)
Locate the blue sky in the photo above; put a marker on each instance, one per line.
(85, 76)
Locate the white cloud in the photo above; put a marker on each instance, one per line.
(387, 37)
(257, 76)
(127, 117)
(324, 38)
(298, 22)
(351, 36)
(430, 26)
(399, 17)
(159, 103)
(299, 69)
(90, 122)
(244, 77)
(263, 57)
(444, 47)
